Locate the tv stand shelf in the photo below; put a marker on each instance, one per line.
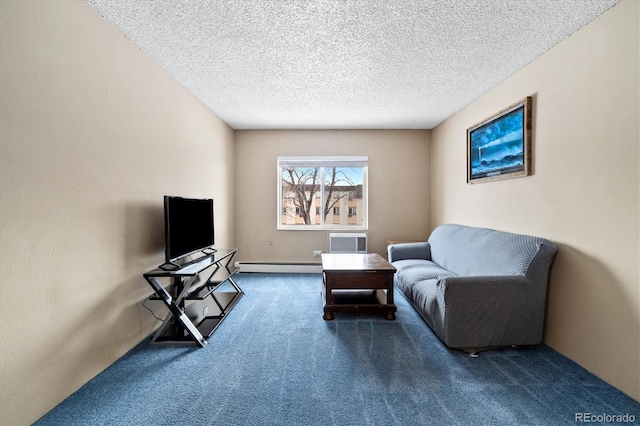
(188, 283)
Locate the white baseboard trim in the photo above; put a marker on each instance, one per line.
(280, 267)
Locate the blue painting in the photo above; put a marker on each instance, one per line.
(497, 148)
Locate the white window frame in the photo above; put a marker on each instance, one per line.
(342, 161)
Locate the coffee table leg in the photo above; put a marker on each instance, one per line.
(390, 316)
(327, 295)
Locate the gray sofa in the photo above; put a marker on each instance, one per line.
(477, 288)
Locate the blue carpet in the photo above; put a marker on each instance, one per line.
(275, 361)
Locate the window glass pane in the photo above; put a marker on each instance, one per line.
(299, 188)
(343, 194)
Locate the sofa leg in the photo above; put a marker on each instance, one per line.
(473, 354)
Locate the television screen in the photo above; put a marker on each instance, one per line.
(188, 226)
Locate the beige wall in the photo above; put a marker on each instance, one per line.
(398, 188)
(584, 193)
(92, 135)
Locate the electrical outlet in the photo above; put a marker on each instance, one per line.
(317, 253)
(271, 241)
(205, 311)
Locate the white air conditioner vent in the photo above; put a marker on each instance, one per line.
(347, 243)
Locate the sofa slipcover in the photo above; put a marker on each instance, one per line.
(477, 288)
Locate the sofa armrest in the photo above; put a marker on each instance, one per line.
(420, 250)
(476, 283)
(483, 286)
(492, 310)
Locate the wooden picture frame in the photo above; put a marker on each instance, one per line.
(500, 146)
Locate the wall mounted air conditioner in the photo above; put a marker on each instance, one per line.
(347, 243)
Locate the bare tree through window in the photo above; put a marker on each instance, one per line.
(318, 195)
(300, 186)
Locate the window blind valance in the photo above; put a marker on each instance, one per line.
(288, 162)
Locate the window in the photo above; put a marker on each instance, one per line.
(322, 192)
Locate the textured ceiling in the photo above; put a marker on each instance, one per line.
(344, 64)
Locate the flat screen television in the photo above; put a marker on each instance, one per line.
(188, 227)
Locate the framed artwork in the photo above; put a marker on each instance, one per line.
(500, 147)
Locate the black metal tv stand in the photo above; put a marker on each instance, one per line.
(188, 283)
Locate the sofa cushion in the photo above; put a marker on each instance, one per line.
(411, 271)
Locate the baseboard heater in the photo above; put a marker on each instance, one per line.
(280, 267)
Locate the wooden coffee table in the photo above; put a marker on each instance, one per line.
(357, 283)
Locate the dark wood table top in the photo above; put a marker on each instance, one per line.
(355, 262)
